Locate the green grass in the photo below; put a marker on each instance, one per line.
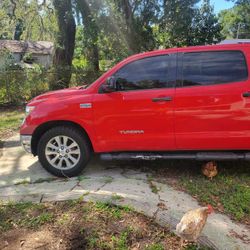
(22, 214)
(111, 210)
(36, 221)
(195, 247)
(229, 191)
(10, 119)
(120, 242)
(155, 247)
(116, 197)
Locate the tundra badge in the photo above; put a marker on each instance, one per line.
(125, 132)
(86, 105)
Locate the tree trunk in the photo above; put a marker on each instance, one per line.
(90, 34)
(131, 33)
(19, 28)
(65, 44)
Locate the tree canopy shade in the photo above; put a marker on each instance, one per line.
(94, 34)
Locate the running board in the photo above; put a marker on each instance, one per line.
(201, 156)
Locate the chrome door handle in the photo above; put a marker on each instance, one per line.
(162, 99)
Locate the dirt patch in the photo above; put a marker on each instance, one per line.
(80, 225)
(28, 239)
(7, 133)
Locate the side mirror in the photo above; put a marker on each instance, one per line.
(109, 86)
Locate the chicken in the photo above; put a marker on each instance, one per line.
(192, 223)
(210, 169)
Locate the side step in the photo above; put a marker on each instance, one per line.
(199, 156)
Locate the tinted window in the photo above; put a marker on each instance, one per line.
(205, 68)
(147, 73)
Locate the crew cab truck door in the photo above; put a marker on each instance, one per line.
(212, 111)
(139, 114)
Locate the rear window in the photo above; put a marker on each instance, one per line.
(216, 67)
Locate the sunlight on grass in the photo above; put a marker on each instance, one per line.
(229, 192)
(10, 119)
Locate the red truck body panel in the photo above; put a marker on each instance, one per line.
(213, 117)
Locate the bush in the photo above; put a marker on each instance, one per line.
(18, 85)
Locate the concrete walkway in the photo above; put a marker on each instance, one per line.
(23, 179)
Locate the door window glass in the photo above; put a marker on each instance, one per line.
(147, 73)
(217, 67)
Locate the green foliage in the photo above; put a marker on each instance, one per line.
(27, 20)
(206, 29)
(236, 21)
(6, 60)
(28, 58)
(20, 85)
(185, 24)
(176, 23)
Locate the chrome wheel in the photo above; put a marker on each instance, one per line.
(62, 152)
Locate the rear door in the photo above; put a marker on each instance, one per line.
(212, 104)
(139, 115)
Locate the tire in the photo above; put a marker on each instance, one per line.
(64, 151)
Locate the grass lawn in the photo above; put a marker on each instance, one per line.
(81, 225)
(10, 119)
(228, 192)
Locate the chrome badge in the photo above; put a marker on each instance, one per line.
(136, 132)
(86, 105)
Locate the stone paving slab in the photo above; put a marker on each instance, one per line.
(103, 181)
(16, 166)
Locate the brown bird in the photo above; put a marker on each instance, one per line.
(192, 223)
(210, 169)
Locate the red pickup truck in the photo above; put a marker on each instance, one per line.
(186, 103)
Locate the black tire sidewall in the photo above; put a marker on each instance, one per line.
(79, 138)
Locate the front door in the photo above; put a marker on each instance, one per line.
(211, 111)
(139, 115)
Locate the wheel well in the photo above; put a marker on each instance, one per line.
(48, 125)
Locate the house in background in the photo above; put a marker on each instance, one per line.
(233, 41)
(39, 52)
